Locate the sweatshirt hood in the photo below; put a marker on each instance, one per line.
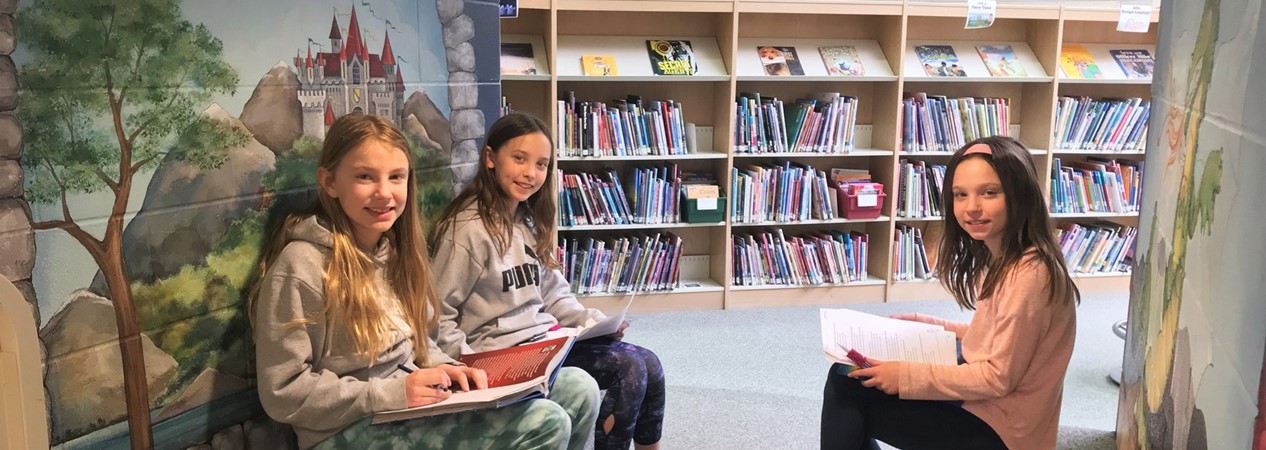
(316, 230)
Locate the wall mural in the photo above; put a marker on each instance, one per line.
(163, 137)
(1194, 351)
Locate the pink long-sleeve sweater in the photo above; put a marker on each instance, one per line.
(1017, 349)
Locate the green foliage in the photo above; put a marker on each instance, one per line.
(1207, 194)
(118, 82)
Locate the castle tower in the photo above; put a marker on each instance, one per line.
(314, 113)
(336, 38)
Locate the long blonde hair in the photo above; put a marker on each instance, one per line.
(351, 297)
(488, 197)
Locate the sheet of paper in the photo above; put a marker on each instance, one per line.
(610, 325)
(1134, 18)
(884, 338)
(980, 13)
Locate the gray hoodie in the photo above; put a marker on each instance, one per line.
(491, 300)
(310, 376)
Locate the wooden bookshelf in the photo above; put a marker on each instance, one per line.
(725, 34)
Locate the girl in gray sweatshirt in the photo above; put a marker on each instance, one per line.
(344, 319)
(500, 286)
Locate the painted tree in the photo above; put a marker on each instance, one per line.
(111, 88)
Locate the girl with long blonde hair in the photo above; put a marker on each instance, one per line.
(344, 316)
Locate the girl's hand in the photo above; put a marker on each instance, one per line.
(885, 376)
(465, 377)
(619, 333)
(914, 317)
(426, 386)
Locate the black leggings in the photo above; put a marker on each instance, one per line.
(854, 416)
(633, 408)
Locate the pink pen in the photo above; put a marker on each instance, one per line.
(859, 359)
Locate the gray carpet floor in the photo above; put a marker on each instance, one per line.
(752, 379)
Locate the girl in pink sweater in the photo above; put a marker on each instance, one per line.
(999, 258)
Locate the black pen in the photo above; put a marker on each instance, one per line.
(406, 369)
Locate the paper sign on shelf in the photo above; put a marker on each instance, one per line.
(980, 13)
(1134, 18)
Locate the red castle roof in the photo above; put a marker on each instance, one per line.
(387, 55)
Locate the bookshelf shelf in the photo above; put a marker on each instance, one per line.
(1092, 215)
(1096, 152)
(517, 77)
(640, 226)
(725, 36)
(688, 287)
(688, 156)
(869, 281)
(857, 153)
(1100, 275)
(1066, 81)
(879, 219)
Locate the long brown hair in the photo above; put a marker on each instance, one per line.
(963, 260)
(351, 298)
(489, 199)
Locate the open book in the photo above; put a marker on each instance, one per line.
(515, 374)
(884, 339)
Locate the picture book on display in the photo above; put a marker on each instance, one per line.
(779, 61)
(1076, 62)
(1135, 63)
(672, 57)
(1001, 61)
(599, 65)
(517, 59)
(515, 374)
(842, 61)
(939, 61)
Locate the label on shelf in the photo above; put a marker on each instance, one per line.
(1134, 18)
(868, 200)
(707, 204)
(980, 13)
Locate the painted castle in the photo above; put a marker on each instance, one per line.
(348, 79)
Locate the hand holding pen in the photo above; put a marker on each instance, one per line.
(877, 374)
(425, 386)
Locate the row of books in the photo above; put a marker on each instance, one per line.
(634, 263)
(825, 123)
(599, 198)
(1096, 185)
(624, 127)
(919, 189)
(1098, 248)
(910, 256)
(506, 108)
(781, 192)
(1117, 125)
(826, 257)
(936, 123)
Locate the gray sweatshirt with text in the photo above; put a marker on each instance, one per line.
(309, 375)
(491, 300)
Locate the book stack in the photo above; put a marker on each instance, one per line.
(654, 196)
(633, 263)
(826, 257)
(910, 255)
(781, 192)
(1096, 185)
(824, 123)
(919, 192)
(1099, 248)
(622, 127)
(1107, 125)
(936, 123)
(592, 199)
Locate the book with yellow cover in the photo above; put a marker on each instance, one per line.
(1076, 62)
(599, 65)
